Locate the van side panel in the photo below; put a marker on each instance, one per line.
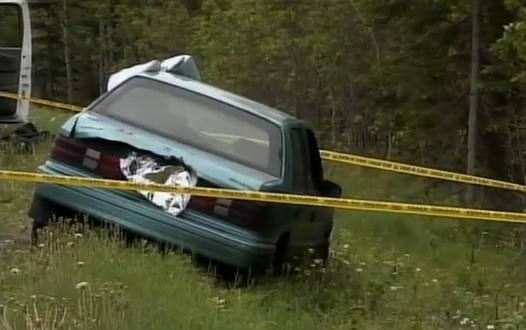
(15, 59)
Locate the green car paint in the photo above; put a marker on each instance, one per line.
(286, 231)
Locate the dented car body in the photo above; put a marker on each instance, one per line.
(200, 135)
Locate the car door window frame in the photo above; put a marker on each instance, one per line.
(315, 162)
(301, 170)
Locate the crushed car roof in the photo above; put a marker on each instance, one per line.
(238, 101)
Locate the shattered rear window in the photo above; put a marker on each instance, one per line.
(196, 120)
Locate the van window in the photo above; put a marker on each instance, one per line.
(11, 26)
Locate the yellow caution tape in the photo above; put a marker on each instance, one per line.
(351, 159)
(38, 101)
(341, 203)
(418, 170)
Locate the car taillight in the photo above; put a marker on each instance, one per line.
(77, 154)
(243, 213)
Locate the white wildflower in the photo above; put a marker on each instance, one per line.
(81, 285)
(318, 261)
(346, 262)
(220, 302)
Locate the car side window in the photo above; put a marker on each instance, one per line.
(300, 160)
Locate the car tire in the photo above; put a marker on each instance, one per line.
(324, 253)
(279, 265)
(43, 212)
(286, 262)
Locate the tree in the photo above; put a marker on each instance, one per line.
(473, 100)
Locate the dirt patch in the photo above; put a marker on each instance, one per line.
(11, 241)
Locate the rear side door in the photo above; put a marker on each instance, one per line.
(321, 186)
(15, 59)
(312, 222)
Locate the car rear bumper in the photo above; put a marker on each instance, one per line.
(190, 230)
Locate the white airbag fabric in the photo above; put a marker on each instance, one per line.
(183, 65)
(143, 169)
(120, 76)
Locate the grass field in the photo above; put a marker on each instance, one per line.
(386, 272)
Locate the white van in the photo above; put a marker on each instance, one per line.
(15, 59)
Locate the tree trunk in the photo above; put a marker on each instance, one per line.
(67, 60)
(473, 100)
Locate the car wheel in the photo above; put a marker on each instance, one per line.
(34, 232)
(317, 257)
(324, 253)
(43, 212)
(280, 266)
(288, 260)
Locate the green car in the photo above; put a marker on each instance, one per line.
(159, 123)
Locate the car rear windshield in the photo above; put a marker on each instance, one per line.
(196, 120)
